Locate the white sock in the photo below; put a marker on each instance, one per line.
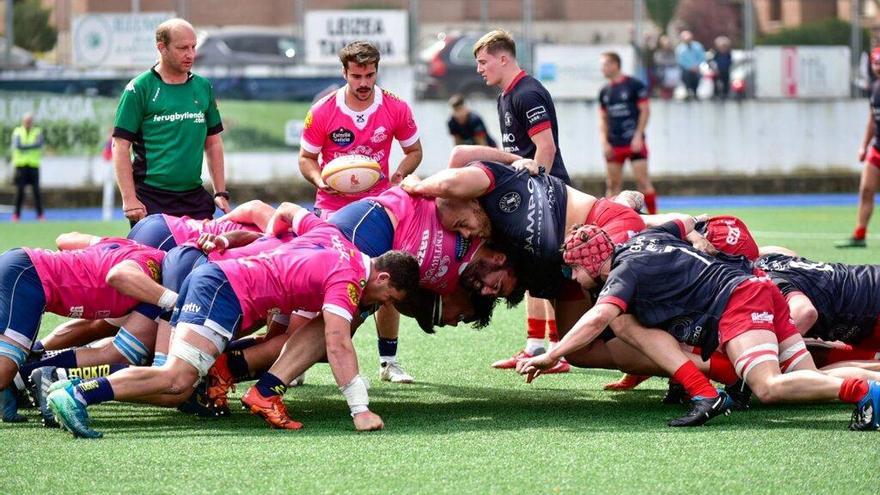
(535, 346)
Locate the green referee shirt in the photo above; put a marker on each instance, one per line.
(167, 125)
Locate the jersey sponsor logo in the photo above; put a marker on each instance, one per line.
(353, 294)
(762, 317)
(684, 330)
(508, 119)
(75, 312)
(423, 246)
(191, 308)
(535, 114)
(342, 136)
(155, 272)
(533, 216)
(99, 315)
(308, 122)
(510, 202)
(360, 118)
(89, 372)
(130, 86)
(462, 244)
(508, 137)
(379, 135)
(196, 117)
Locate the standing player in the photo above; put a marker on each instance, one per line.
(529, 129)
(465, 126)
(869, 152)
(168, 117)
(361, 119)
(27, 144)
(623, 116)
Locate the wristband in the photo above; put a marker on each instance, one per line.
(221, 194)
(355, 393)
(167, 300)
(222, 240)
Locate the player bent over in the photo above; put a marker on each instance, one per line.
(658, 278)
(319, 271)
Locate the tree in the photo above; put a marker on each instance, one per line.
(709, 19)
(31, 25)
(661, 12)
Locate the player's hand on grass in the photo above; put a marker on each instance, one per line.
(368, 421)
(527, 164)
(133, 209)
(533, 367)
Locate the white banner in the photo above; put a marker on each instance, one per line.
(573, 71)
(116, 40)
(802, 72)
(327, 31)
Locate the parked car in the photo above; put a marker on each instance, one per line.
(448, 67)
(248, 46)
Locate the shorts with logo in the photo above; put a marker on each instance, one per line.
(206, 298)
(873, 157)
(619, 154)
(620, 222)
(22, 298)
(755, 304)
(153, 231)
(366, 224)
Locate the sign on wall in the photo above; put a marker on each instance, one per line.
(802, 71)
(573, 71)
(116, 40)
(327, 31)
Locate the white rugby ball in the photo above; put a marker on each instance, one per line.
(351, 173)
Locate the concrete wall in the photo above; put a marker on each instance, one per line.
(701, 138)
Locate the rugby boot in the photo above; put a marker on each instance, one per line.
(69, 412)
(561, 366)
(271, 409)
(852, 242)
(199, 404)
(740, 395)
(9, 405)
(392, 371)
(675, 394)
(510, 363)
(627, 382)
(703, 409)
(866, 416)
(41, 379)
(220, 381)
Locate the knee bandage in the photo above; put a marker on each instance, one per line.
(754, 356)
(14, 353)
(198, 359)
(791, 356)
(134, 351)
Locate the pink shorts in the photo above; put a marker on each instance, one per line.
(755, 304)
(620, 222)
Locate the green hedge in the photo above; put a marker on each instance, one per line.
(64, 137)
(825, 32)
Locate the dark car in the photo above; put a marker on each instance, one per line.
(448, 67)
(248, 46)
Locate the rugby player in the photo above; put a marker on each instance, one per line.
(362, 119)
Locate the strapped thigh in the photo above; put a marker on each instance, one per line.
(792, 355)
(754, 356)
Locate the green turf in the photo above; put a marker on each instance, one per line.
(463, 428)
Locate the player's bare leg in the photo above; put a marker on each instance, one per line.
(867, 189)
(613, 179)
(643, 184)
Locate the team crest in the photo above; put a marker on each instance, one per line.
(379, 135)
(508, 119)
(353, 296)
(155, 272)
(510, 202)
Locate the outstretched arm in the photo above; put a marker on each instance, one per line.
(254, 212)
(456, 183)
(466, 153)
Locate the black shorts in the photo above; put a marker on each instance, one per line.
(196, 203)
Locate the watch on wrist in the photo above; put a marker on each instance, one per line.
(221, 194)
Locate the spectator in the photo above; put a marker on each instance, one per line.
(666, 69)
(467, 127)
(27, 145)
(722, 60)
(690, 54)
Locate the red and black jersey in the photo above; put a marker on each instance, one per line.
(847, 297)
(665, 283)
(525, 108)
(472, 128)
(619, 102)
(875, 111)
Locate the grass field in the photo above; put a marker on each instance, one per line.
(463, 427)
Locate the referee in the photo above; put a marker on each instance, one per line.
(167, 119)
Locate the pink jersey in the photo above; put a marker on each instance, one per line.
(442, 255)
(75, 281)
(317, 271)
(332, 130)
(185, 229)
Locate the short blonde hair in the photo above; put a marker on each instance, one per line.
(163, 32)
(360, 52)
(496, 41)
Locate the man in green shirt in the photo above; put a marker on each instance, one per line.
(168, 117)
(27, 144)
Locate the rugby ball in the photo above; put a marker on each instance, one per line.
(351, 173)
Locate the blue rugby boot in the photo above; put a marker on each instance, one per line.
(866, 416)
(69, 412)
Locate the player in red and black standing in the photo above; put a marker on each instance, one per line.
(528, 129)
(870, 153)
(623, 116)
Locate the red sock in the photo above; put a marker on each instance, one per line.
(651, 202)
(850, 354)
(694, 382)
(721, 369)
(536, 328)
(554, 333)
(859, 233)
(853, 389)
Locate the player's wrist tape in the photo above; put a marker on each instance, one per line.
(222, 241)
(167, 300)
(355, 393)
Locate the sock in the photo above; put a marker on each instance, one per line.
(651, 202)
(242, 344)
(535, 346)
(553, 333)
(269, 385)
(159, 359)
(38, 346)
(850, 354)
(860, 232)
(62, 359)
(90, 372)
(94, 391)
(694, 382)
(387, 349)
(853, 390)
(536, 329)
(238, 366)
(721, 369)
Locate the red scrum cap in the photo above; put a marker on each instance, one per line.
(587, 246)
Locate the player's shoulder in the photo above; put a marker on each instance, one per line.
(141, 82)
(200, 81)
(392, 100)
